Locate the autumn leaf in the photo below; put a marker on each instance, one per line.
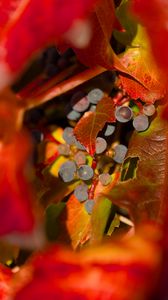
(15, 194)
(146, 82)
(143, 195)
(99, 50)
(154, 16)
(5, 282)
(31, 33)
(120, 270)
(74, 224)
(91, 123)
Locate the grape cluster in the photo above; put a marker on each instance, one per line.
(78, 166)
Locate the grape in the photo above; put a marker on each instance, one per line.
(101, 145)
(109, 130)
(73, 115)
(68, 136)
(141, 123)
(67, 171)
(81, 192)
(80, 158)
(149, 109)
(93, 108)
(89, 204)
(85, 172)
(64, 149)
(120, 153)
(79, 102)
(123, 114)
(79, 145)
(105, 178)
(95, 95)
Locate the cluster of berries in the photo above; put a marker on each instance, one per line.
(78, 167)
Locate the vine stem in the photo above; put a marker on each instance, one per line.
(63, 87)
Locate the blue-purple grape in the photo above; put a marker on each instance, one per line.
(68, 136)
(64, 149)
(105, 178)
(141, 123)
(67, 171)
(79, 102)
(89, 204)
(81, 192)
(149, 110)
(109, 130)
(85, 172)
(80, 158)
(120, 153)
(73, 115)
(101, 145)
(95, 95)
(92, 108)
(79, 145)
(123, 114)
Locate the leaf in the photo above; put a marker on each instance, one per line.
(154, 16)
(54, 19)
(53, 212)
(143, 196)
(91, 123)
(99, 51)
(147, 82)
(100, 215)
(5, 282)
(129, 24)
(74, 224)
(15, 194)
(118, 270)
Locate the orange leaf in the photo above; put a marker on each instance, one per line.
(91, 123)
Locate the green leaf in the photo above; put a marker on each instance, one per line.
(53, 212)
(127, 21)
(100, 216)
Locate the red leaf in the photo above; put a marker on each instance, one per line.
(91, 123)
(154, 15)
(5, 282)
(120, 270)
(34, 24)
(99, 51)
(15, 192)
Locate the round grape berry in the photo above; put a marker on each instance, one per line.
(79, 102)
(123, 114)
(85, 172)
(73, 115)
(141, 123)
(120, 153)
(101, 145)
(109, 130)
(105, 178)
(81, 192)
(149, 109)
(64, 149)
(67, 171)
(95, 95)
(68, 136)
(89, 204)
(80, 158)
